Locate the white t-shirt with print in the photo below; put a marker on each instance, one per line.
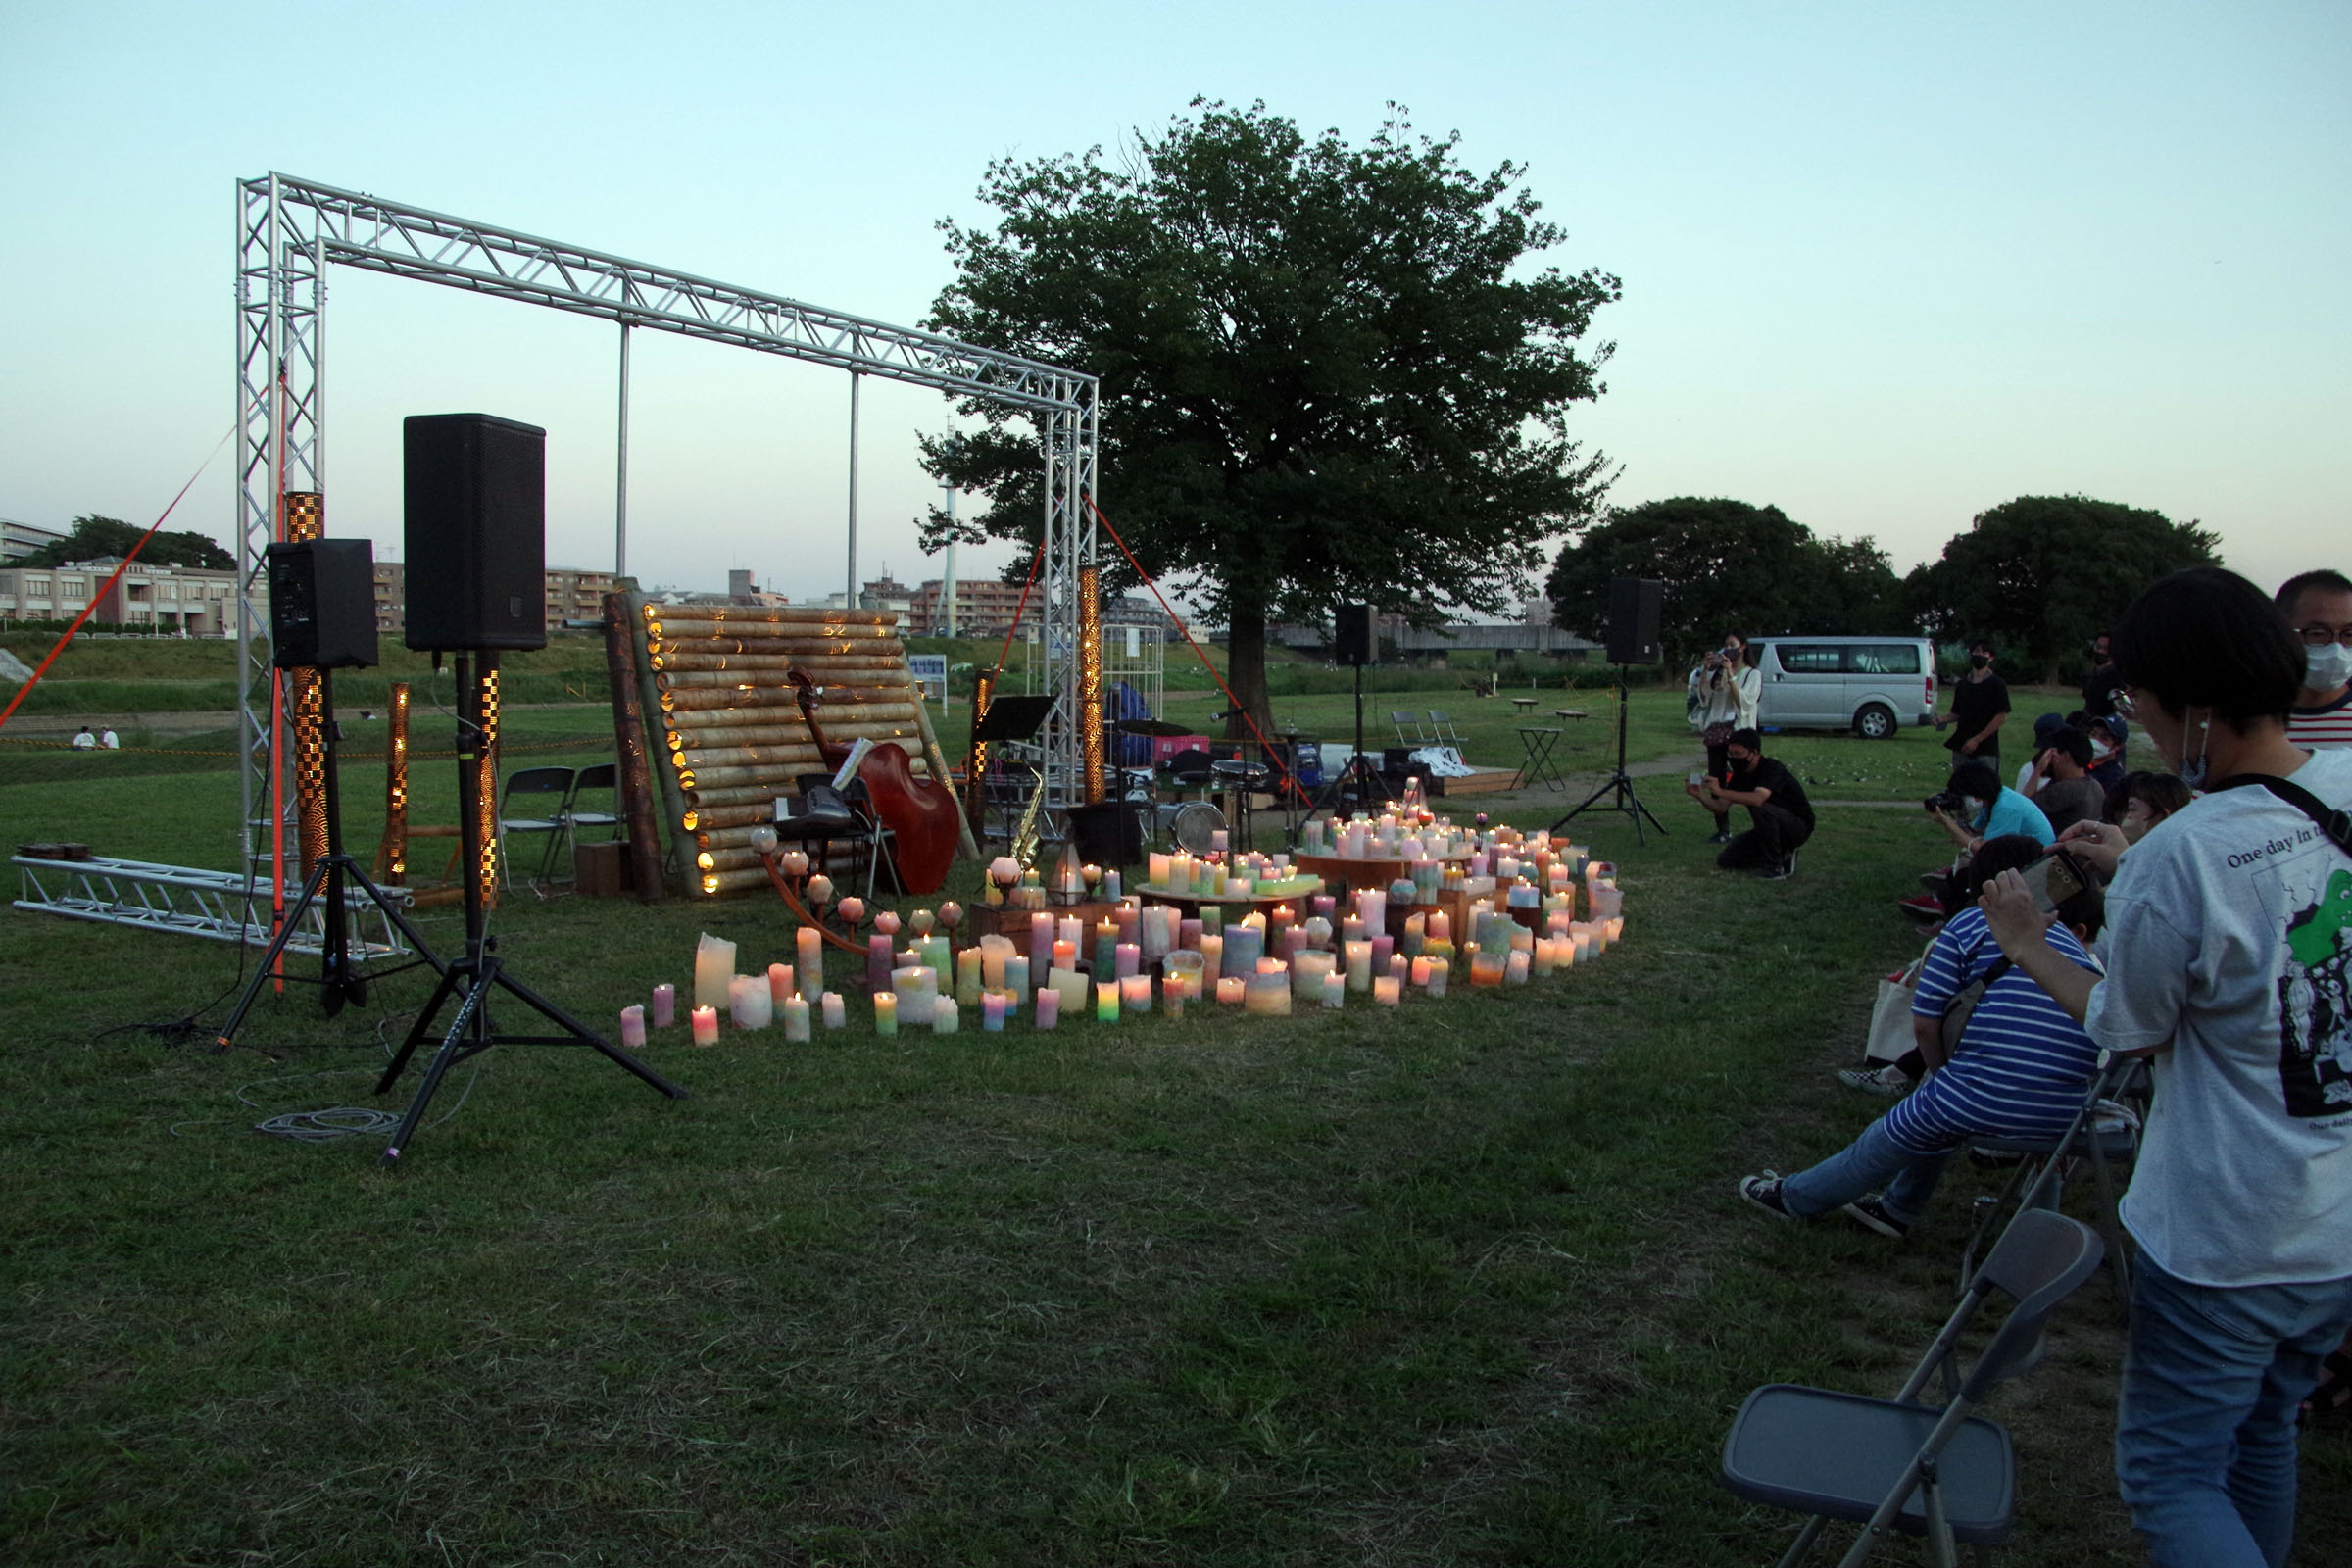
(2230, 933)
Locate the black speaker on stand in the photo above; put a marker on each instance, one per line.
(476, 532)
(1637, 606)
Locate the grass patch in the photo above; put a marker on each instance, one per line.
(1463, 1283)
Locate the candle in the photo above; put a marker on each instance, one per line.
(1486, 969)
(820, 889)
(1111, 884)
(1420, 973)
(1188, 933)
(1135, 993)
(1309, 970)
(1156, 868)
(1268, 994)
(878, 960)
(1332, 988)
(1514, 969)
(1387, 990)
(886, 1012)
(916, 985)
(1440, 926)
(1040, 942)
(835, 1009)
(1048, 1007)
(1065, 956)
(1107, 941)
(706, 1026)
(886, 921)
(812, 958)
(1616, 929)
(1439, 970)
(994, 950)
(1230, 989)
(992, 1011)
(796, 1020)
(1383, 946)
(713, 967)
(1216, 841)
(779, 982)
(749, 1003)
(1171, 998)
(967, 976)
(851, 911)
(1359, 966)
(794, 862)
(1126, 960)
(1016, 979)
(1212, 952)
(1107, 1001)
(632, 1027)
(1181, 973)
(666, 1006)
(946, 1016)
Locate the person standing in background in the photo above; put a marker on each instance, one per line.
(1980, 707)
(1729, 685)
(2318, 605)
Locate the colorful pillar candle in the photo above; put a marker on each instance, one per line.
(779, 982)
(992, 1010)
(1040, 942)
(1420, 973)
(666, 1006)
(749, 1001)
(1181, 971)
(967, 976)
(811, 960)
(632, 1027)
(877, 962)
(946, 1016)
(1230, 990)
(1515, 969)
(1212, 953)
(1106, 945)
(706, 1026)
(1387, 990)
(796, 1020)
(1107, 1001)
(1486, 969)
(1331, 989)
(917, 987)
(1188, 933)
(1156, 867)
(1135, 993)
(1267, 995)
(1048, 1007)
(886, 1013)
(1127, 959)
(1016, 979)
(1066, 956)
(1440, 971)
(1309, 970)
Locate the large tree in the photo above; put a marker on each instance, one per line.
(1329, 373)
(2044, 574)
(1728, 566)
(94, 538)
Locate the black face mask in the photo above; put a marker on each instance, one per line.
(1978, 660)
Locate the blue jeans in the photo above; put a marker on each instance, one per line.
(2205, 1429)
(1872, 1160)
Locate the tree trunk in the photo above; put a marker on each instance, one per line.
(1245, 668)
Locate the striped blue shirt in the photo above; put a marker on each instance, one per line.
(2021, 1065)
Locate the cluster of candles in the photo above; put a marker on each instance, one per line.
(1519, 897)
(1249, 875)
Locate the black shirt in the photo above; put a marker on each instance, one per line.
(1974, 705)
(2099, 689)
(1787, 793)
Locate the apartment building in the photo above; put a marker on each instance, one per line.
(573, 594)
(189, 599)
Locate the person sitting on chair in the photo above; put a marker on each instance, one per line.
(2019, 1069)
(1781, 816)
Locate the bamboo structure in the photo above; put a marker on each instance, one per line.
(723, 735)
(628, 732)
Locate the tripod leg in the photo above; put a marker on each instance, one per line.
(443, 1060)
(586, 1036)
(268, 962)
(443, 990)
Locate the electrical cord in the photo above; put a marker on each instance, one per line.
(335, 1121)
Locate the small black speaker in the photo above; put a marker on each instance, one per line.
(1111, 833)
(323, 603)
(1635, 605)
(476, 530)
(1355, 639)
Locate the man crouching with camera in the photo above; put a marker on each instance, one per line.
(1781, 818)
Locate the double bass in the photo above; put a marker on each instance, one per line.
(924, 821)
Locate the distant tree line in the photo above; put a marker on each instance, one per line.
(94, 538)
(2039, 575)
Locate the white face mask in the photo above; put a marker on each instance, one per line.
(2328, 668)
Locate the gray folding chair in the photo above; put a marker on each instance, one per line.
(534, 801)
(1903, 1463)
(1401, 717)
(1441, 729)
(604, 778)
(2103, 1132)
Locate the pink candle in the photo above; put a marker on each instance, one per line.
(1127, 958)
(1420, 972)
(1188, 933)
(666, 1006)
(706, 1026)
(1040, 942)
(1048, 1007)
(878, 963)
(1387, 990)
(779, 983)
(1065, 954)
(632, 1028)
(992, 1011)
(812, 958)
(1228, 991)
(1382, 945)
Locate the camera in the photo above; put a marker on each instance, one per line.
(1944, 801)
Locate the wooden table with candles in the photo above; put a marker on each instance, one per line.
(1294, 892)
(1365, 870)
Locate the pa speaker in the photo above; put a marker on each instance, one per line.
(323, 603)
(476, 530)
(1354, 640)
(1107, 833)
(1635, 606)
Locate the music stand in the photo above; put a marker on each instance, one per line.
(1620, 785)
(1008, 719)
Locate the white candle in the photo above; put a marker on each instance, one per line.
(946, 1017)
(632, 1028)
(749, 1001)
(795, 1019)
(713, 967)
(836, 1008)
(1333, 989)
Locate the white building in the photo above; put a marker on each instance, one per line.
(193, 600)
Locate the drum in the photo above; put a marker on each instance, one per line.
(1187, 825)
(1233, 773)
(1133, 785)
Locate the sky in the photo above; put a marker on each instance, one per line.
(1884, 265)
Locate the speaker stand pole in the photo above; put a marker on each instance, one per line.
(471, 979)
(339, 975)
(1619, 786)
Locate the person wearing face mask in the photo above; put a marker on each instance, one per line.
(1980, 707)
(2318, 605)
(1729, 685)
(2229, 963)
(1987, 809)
(1775, 805)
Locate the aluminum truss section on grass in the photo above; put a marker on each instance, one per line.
(198, 904)
(288, 229)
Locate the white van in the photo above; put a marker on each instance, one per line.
(1873, 684)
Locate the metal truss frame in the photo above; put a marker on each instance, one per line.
(289, 229)
(197, 903)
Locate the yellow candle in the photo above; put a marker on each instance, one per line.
(886, 1013)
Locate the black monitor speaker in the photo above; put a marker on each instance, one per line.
(323, 603)
(1354, 638)
(476, 530)
(1635, 605)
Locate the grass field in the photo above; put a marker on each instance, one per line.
(1464, 1282)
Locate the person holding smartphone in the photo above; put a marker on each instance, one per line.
(1729, 686)
(2229, 964)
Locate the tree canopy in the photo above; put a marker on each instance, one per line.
(93, 538)
(1326, 374)
(1728, 566)
(2042, 575)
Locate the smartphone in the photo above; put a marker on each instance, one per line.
(1697, 779)
(2053, 879)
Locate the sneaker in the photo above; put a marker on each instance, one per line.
(1765, 1192)
(1870, 1214)
(1926, 909)
(1887, 1080)
(1721, 835)
(1783, 872)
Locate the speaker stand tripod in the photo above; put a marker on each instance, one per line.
(1359, 780)
(339, 976)
(471, 979)
(1619, 786)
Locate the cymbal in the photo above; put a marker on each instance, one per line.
(1158, 727)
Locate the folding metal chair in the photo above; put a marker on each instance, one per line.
(546, 790)
(2103, 1132)
(1401, 717)
(604, 776)
(1441, 729)
(1904, 1463)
